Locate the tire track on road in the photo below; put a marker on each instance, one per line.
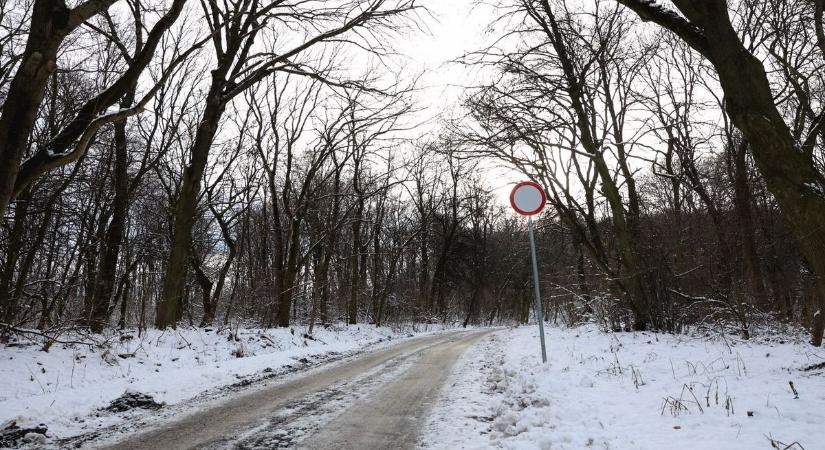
(224, 424)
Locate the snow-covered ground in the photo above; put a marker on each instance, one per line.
(631, 391)
(67, 387)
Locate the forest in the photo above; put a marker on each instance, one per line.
(171, 163)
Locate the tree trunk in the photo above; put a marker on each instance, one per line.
(124, 297)
(277, 266)
(289, 274)
(324, 300)
(623, 223)
(436, 295)
(184, 218)
(110, 249)
(230, 305)
(206, 292)
(581, 277)
(91, 257)
(424, 271)
(376, 265)
(329, 247)
(355, 254)
(742, 202)
(49, 26)
(789, 172)
(15, 241)
(626, 242)
(315, 296)
(355, 273)
(472, 305)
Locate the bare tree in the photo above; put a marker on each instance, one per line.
(786, 164)
(239, 66)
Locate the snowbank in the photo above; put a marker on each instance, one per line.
(631, 391)
(68, 387)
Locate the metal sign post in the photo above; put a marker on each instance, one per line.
(528, 199)
(538, 308)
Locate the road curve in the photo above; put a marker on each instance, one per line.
(391, 418)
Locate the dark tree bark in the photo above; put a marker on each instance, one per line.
(110, 247)
(206, 291)
(291, 272)
(377, 267)
(15, 242)
(355, 251)
(61, 149)
(742, 202)
(51, 22)
(184, 218)
(790, 172)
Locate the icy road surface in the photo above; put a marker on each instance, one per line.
(378, 400)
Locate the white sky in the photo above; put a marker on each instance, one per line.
(456, 27)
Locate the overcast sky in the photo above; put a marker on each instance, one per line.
(455, 28)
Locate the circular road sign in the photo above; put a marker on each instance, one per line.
(528, 198)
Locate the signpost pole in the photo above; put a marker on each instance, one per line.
(528, 199)
(538, 308)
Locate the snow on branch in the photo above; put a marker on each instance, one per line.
(652, 11)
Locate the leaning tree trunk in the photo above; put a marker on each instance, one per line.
(789, 173)
(51, 22)
(175, 278)
(210, 313)
(788, 169)
(49, 26)
(627, 247)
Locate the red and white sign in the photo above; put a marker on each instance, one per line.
(528, 198)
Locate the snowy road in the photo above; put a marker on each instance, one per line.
(378, 400)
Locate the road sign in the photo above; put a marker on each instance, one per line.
(528, 199)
